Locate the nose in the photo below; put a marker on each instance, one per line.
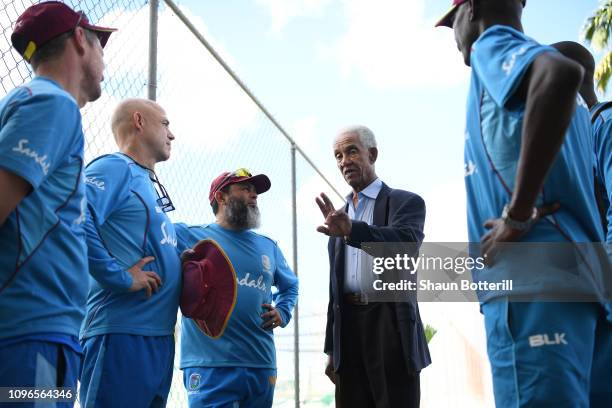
(170, 135)
(346, 159)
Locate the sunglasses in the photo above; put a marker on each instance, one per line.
(81, 15)
(78, 23)
(163, 199)
(242, 172)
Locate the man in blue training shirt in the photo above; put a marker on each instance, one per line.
(43, 261)
(529, 178)
(601, 119)
(127, 334)
(600, 116)
(238, 369)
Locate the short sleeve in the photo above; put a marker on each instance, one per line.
(36, 133)
(500, 59)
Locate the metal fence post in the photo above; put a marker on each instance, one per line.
(296, 315)
(152, 86)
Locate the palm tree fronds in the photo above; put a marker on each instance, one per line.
(603, 72)
(598, 27)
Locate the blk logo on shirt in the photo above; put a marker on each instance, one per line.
(540, 340)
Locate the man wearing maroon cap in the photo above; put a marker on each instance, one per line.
(237, 367)
(529, 179)
(43, 261)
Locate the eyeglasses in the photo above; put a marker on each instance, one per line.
(163, 199)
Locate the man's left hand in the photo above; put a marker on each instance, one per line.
(337, 222)
(272, 318)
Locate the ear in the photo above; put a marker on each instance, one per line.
(138, 120)
(373, 154)
(219, 197)
(80, 40)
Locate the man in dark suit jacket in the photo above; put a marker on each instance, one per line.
(376, 349)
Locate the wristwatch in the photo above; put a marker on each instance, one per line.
(519, 225)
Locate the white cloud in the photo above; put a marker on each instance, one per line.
(283, 11)
(390, 44)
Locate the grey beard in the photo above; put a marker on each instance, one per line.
(240, 216)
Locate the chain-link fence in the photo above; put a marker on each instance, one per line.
(218, 127)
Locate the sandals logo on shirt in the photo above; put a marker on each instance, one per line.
(95, 182)
(43, 161)
(194, 381)
(167, 239)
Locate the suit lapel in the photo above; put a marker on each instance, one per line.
(381, 207)
(339, 251)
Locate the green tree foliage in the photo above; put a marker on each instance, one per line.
(429, 332)
(597, 32)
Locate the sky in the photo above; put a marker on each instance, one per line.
(319, 65)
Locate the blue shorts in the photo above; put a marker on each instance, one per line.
(549, 354)
(123, 370)
(39, 364)
(229, 387)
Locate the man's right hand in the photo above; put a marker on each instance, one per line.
(146, 280)
(329, 370)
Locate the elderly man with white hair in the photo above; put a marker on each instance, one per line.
(376, 349)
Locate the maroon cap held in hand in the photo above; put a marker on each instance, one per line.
(209, 288)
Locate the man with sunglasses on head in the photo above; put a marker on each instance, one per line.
(529, 149)
(238, 368)
(128, 332)
(43, 260)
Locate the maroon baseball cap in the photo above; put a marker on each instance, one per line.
(447, 19)
(43, 22)
(209, 290)
(260, 181)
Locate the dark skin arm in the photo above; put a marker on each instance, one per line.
(549, 90)
(13, 189)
